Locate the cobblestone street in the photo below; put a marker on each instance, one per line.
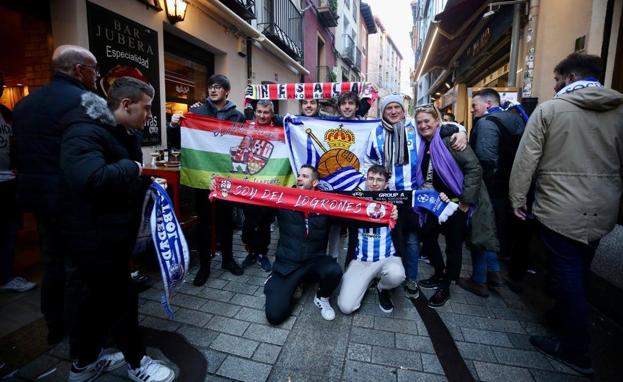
(225, 321)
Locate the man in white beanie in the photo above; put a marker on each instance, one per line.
(394, 144)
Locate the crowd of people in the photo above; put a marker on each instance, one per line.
(79, 165)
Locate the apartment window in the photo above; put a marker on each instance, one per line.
(347, 3)
(355, 10)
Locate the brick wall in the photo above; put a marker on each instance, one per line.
(38, 50)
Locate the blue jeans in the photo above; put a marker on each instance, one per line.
(412, 255)
(483, 262)
(569, 265)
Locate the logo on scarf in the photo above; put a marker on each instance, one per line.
(251, 155)
(375, 210)
(225, 187)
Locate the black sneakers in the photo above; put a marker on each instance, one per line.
(232, 266)
(430, 283)
(439, 299)
(202, 276)
(551, 348)
(385, 300)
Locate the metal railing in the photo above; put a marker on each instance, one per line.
(348, 51)
(282, 23)
(243, 8)
(358, 58)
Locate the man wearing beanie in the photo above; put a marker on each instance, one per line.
(393, 144)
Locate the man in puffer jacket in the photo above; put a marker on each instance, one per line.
(573, 148)
(102, 193)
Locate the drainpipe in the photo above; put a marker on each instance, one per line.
(512, 71)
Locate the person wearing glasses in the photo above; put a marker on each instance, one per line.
(457, 175)
(394, 144)
(216, 106)
(38, 126)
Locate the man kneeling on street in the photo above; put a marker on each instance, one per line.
(376, 255)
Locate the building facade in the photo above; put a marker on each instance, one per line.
(319, 22)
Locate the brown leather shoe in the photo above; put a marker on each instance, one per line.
(469, 285)
(494, 280)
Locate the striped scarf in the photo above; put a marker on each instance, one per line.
(395, 145)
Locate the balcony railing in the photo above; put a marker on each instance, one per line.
(282, 23)
(348, 52)
(243, 8)
(358, 57)
(327, 12)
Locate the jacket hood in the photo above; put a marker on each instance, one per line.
(93, 108)
(594, 98)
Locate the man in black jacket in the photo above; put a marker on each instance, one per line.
(301, 257)
(38, 128)
(102, 192)
(494, 139)
(216, 106)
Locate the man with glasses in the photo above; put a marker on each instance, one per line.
(38, 125)
(216, 106)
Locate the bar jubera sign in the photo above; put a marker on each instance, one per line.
(125, 48)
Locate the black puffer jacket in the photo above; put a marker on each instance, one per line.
(38, 129)
(297, 245)
(102, 192)
(495, 139)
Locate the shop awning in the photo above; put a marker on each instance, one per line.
(449, 31)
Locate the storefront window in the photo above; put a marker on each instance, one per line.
(185, 81)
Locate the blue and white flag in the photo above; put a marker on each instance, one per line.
(335, 147)
(430, 200)
(160, 223)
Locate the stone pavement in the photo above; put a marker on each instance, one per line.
(225, 321)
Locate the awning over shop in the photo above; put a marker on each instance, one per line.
(449, 31)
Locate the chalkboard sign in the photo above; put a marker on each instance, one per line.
(125, 48)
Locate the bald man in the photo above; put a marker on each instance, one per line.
(38, 126)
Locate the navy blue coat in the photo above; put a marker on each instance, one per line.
(38, 127)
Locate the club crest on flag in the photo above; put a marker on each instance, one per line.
(251, 155)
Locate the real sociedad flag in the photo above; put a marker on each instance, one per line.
(160, 223)
(430, 200)
(335, 147)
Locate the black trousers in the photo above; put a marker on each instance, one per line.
(454, 230)
(105, 306)
(53, 258)
(224, 228)
(280, 288)
(256, 228)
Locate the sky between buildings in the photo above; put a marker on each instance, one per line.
(396, 17)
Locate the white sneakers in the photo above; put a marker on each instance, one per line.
(18, 284)
(151, 371)
(326, 310)
(103, 364)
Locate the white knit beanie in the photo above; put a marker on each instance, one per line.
(397, 98)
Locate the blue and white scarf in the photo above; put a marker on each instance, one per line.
(430, 200)
(161, 225)
(589, 82)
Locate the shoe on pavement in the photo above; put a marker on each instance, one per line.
(326, 310)
(385, 300)
(249, 260)
(551, 348)
(232, 266)
(264, 263)
(494, 280)
(202, 276)
(412, 289)
(515, 286)
(18, 284)
(425, 259)
(151, 370)
(439, 299)
(104, 363)
(471, 286)
(298, 292)
(433, 282)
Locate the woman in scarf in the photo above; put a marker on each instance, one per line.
(458, 175)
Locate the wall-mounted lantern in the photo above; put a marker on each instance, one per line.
(176, 10)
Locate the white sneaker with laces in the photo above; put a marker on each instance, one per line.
(151, 371)
(103, 364)
(18, 284)
(326, 310)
